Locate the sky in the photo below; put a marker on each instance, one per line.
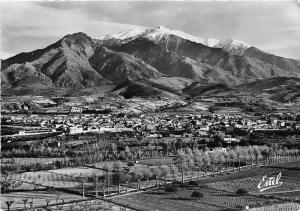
(271, 26)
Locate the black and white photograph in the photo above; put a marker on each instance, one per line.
(150, 105)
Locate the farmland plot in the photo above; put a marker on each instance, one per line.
(181, 200)
(108, 164)
(93, 205)
(28, 161)
(71, 179)
(46, 179)
(251, 178)
(78, 172)
(38, 198)
(157, 161)
(251, 183)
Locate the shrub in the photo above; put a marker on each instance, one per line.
(197, 194)
(170, 189)
(242, 191)
(176, 182)
(202, 185)
(183, 185)
(194, 183)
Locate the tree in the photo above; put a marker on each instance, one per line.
(198, 161)
(147, 174)
(164, 172)
(197, 195)
(8, 184)
(239, 153)
(214, 159)
(257, 153)
(265, 153)
(221, 160)
(107, 169)
(251, 153)
(190, 161)
(118, 175)
(173, 171)
(25, 202)
(242, 191)
(206, 161)
(181, 162)
(170, 189)
(47, 202)
(8, 204)
(219, 136)
(137, 176)
(157, 174)
(114, 149)
(128, 153)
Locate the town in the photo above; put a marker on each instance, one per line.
(80, 143)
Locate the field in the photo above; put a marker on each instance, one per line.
(27, 161)
(68, 178)
(181, 200)
(250, 184)
(219, 192)
(249, 179)
(39, 198)
(295, 164)
(157, 161)
(91, 205)
(78, 172)
(108, 164)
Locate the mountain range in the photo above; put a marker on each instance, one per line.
(155, 61)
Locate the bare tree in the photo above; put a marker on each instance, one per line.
(47, 202)
(25, 202)
(8, 204)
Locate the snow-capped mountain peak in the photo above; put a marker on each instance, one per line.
(160, 32)
(234, 46)
(233, 43)
(124, 34)
(128, 34)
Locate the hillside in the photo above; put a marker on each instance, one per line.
(175, 62)
(280, 89)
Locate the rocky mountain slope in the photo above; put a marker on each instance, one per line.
(170, 60)
(65, 63)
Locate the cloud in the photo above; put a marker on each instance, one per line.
(38, 21)
(286, 48)
(28, 21)
(4, 55)
(30, 25)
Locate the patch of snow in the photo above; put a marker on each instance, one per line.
(232, 44)
(160, 32)
(128, 34)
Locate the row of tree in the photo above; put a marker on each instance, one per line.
(198, 160)
(193, 164)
